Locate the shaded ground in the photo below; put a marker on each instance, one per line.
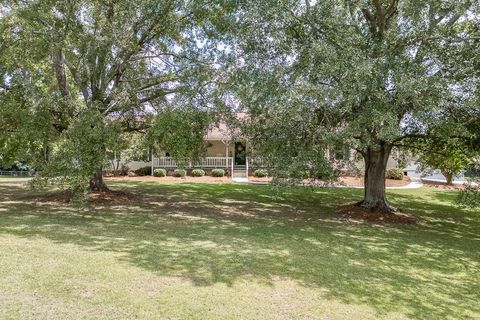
(227, 251)
(343, 181)
(356, 213)
(170, 179)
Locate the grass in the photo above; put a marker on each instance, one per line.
(227, 251)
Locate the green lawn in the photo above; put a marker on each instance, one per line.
(196, 251)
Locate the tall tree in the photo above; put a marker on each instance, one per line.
(100, 66)
(368, 73)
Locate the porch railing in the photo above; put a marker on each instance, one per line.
(206, 162)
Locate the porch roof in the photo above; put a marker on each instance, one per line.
(221, 131)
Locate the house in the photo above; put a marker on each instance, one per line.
(226, 152)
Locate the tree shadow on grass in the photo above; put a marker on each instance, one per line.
(224, 233)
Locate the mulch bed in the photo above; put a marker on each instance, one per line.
(358, 213)
(358, 182)
(442, 185)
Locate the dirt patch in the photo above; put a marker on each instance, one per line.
(358, 182)
(357, 213)
(169, 179)
(112, 196)
(64, 196)
(67, 196)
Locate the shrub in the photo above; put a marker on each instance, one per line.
(470, 195)
(159, 173)
(394, 173)
(179, 173)
(218, 173)
(144, 171)
(124, 170)
(260, 173)
(198, 173)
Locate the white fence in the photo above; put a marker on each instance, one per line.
(16, 173)
(207, 162)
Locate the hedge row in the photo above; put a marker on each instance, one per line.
(160, 172)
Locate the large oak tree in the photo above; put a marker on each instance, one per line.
(367, 73)
(81, 72)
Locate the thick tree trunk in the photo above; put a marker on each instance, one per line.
(375, 167)
(97, 183)
(448, 176)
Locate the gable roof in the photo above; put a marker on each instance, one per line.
(222, 131)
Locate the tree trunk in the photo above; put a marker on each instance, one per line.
(96, 183)
(59, 64)
(374, 179)
(448, 176)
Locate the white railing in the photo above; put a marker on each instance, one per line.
(206, 162)
(256, 162)
(214, 162)
(16, 173)
(164, 162)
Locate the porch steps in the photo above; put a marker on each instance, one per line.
(239, 172)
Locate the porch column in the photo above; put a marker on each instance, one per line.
(152, 157)
(226, 154)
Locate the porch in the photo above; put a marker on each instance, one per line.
(227, 155)
(205, 162)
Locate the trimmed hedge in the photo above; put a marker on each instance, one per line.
(260, 173)
(394, 173)
(144, 171)
(198, 173)
(179, 173)
(218, 173)
(159, 173)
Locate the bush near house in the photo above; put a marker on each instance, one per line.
(159, 173)
(179, 173)
(394, 173)
(198, 173)
(218, 173)
(260, 173)
(144, 171)
(470, 195)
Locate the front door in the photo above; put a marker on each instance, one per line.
(240, 154)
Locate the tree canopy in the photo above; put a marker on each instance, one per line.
(80, 73)
(366, 73)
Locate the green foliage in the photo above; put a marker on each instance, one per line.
(16, 166)
(260, 173)
(394, 173)
(198, 173)
(144, 171)
(318, 74)
(181, 132)
(218, 173)
(469, 196)
(68, 63)
(446, 152)
(78, 154)
(179, 173)
(159, 173)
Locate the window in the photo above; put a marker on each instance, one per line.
(340, 152)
